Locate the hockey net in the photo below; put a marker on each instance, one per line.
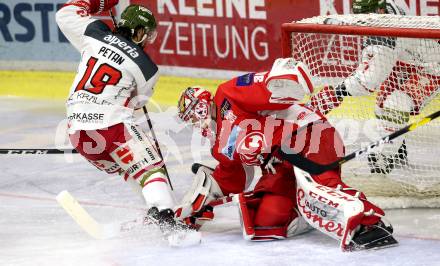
(405, 173)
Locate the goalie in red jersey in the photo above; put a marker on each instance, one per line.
(249, 118)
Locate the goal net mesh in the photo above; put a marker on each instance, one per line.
(396, 79)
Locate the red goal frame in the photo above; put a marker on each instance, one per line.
(288, 28)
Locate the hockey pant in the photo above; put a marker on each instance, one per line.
(126, 150)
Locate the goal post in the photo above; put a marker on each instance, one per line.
(392, 66)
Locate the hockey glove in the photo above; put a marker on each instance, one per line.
(328, 98)
(98, 6)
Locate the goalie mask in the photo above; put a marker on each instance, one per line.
(194, 107)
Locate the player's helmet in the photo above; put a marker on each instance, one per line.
(194, 107)
(367, 6)
(135, 17)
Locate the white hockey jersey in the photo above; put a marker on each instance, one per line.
(114, 76)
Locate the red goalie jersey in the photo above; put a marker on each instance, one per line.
(251, 121)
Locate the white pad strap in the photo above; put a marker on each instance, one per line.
(326, 209)
(203, 190)
(298, 226)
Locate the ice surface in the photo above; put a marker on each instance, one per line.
(36, 231)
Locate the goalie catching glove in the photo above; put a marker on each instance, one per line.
(329, 98)
(194, 209)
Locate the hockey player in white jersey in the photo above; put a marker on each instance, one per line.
(404, 74)
(114, 78)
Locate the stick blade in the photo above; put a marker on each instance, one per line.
(83, 218)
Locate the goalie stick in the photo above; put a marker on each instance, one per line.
(316, 168)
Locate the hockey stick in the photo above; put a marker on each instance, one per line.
(37, 151)
(150, 125)
(111, 230)
(89, 224)
(316, 168)
(113, 18)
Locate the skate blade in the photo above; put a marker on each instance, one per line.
(388, 244)
(384, 246)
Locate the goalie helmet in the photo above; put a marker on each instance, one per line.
(134, 17)
(367, 6)
(194, 107)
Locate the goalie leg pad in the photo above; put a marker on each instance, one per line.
(334, 211)
(203, 190)
(274, 210)
(246, 214)
(268, 217)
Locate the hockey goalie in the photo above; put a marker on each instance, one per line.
(247, 120)
(402, 72)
